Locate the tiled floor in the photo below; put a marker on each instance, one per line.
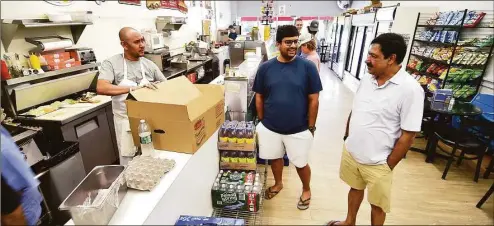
(419, 196)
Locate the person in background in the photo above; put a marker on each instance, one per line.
(19, 178)
(121, 74)
(386, 115)
(233, 33)
(313, 28)
(287, 100)
(299, 23)
(308, 47)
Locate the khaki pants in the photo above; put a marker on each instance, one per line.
(376, 178)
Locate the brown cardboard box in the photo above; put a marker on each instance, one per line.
(182, 115)
(60, 56)
(237, 166)
(62, 65)
(236, 147)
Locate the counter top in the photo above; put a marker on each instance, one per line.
(173, 72)
(174, 195)
(71, 112)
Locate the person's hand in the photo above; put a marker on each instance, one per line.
(150, 86)
(390, 163)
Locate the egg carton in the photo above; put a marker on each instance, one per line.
(145, 172)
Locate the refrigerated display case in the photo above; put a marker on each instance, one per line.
(362, 33)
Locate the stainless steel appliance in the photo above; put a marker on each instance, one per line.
(92, 127)
(85, 55)
(153, 41)
(237, 50)
(57, 165)
(161, 57)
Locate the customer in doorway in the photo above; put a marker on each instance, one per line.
(121, 74)
(287, 100)
(18, 177)
(308, 47)
(386, 115)
(233, 33)
(313, 28)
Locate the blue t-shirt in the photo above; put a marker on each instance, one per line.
(286, 88)
(232, 36)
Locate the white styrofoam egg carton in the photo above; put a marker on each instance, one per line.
(145, 172)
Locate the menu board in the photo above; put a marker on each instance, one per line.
(130, 2)
(181, 6)
(168, 4)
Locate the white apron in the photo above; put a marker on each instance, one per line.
(125, 143)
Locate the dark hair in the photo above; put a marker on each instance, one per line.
(230, 27)
(298, 19)
(286, 31)
(392, 43)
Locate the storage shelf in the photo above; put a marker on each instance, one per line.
(439, 26)
(29, 78)
(430, 59)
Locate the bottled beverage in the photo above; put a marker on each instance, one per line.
(249, 179)
(451, 104)
(241, 134)
(225, 156)
(146, 141)
(223, 133)
(240, 189)
(216, 186)
(242, 158)
(223, 187)
(234, 157)
(251, 157)
(249, 135)
(247, 189)
(232, 135)
(231, 188)
(256, 189)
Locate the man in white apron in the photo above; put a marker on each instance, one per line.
(121, 74)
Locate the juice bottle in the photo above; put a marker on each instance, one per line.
(223, 133)
(234, 157)
(241, 134)
(251, 157)
(249, 135)
(232, 134)
(242, 157)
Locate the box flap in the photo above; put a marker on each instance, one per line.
(211, 94)
(179, 91)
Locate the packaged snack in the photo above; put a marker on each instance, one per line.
(473, 18)
(456, 19)
(433, 19)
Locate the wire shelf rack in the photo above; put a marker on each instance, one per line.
(250, 218)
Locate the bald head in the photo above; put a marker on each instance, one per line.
(133, 42)
(126, 32)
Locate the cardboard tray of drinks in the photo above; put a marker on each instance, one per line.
(237, 191)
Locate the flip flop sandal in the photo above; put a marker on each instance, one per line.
(302, 204)
(270, 194)
(331, 223)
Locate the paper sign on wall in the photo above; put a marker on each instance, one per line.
(282, 10)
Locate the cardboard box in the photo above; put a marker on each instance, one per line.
(62, 65)
(182, 115)
(60, 56)
(236, 146)
(196, 220)
(237, 166)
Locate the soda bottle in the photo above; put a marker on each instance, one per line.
(249, 135)
(241, 134)
(242, 158)
(147, 147)
(231, 188)
(240, 189)
(251, 157)
(216, 186)
(232, 134)
(223, 133)
(223, 187)
(234, 157)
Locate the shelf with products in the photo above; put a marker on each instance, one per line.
(448, 51)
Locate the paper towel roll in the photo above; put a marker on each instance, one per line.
(54, 45)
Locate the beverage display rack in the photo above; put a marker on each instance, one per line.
(445, 53)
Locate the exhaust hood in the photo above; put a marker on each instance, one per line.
(169, 23)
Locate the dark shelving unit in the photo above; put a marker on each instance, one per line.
(477, 32)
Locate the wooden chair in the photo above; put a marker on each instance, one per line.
(486, 196)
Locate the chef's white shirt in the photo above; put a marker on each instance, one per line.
(380, 113)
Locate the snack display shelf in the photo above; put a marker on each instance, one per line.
(439, 26)
(423, 73)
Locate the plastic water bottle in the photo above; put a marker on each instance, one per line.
(451, 104)
(147, 146)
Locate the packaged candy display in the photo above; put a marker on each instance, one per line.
(463, 75)
(464, 56)
(237, 190)
(486, 41)
(446, 18)
(145, 172)
(438, 36)
(473, 18)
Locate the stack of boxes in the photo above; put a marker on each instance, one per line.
(238, 186)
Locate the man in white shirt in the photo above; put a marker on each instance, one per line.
(386, 115)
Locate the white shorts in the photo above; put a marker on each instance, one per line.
(272, 145)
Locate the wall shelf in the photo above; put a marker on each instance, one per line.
(10, 27)
(29, 78)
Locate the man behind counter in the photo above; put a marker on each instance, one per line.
(233, 33)
(121, 74)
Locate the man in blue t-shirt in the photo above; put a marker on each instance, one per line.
(233, 33)
(287, 100)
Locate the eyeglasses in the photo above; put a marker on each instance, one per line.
(290, 42)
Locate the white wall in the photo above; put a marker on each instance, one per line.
(293, 8)
(108, 18)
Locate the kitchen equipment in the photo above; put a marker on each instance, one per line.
(84, 55)
(167, 24)
(49, 43)
(153, 41)
(97, 197)
(238, 49)
(161, 57)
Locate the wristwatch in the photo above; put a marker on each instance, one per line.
(312, 129)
